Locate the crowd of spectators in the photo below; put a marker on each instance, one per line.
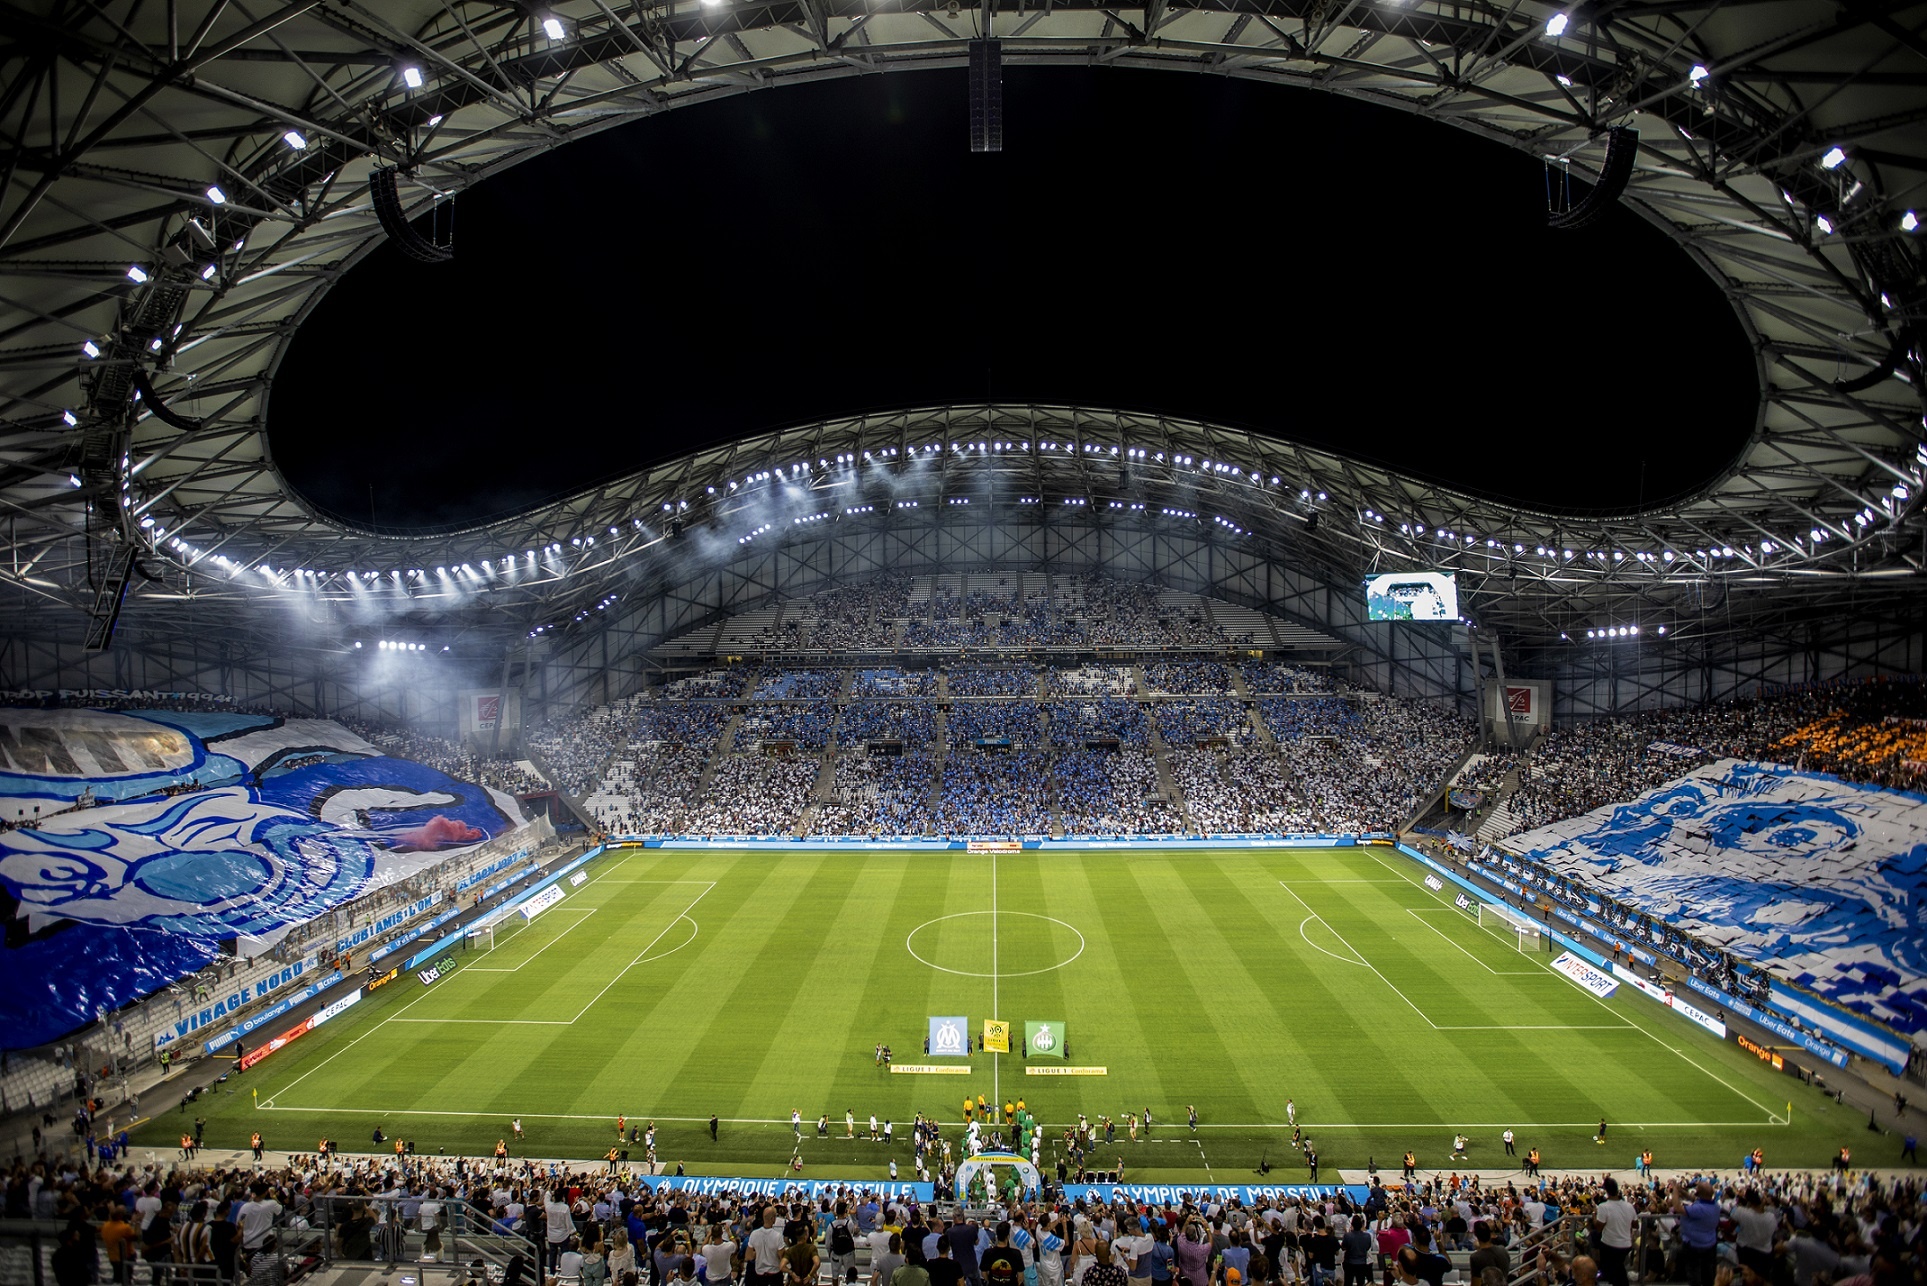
(890, 682)
(914, 723)
(1091, 681)
(1016, 722)
(1873, 732)
(1244, 789)
(1265, 677)
(1110, 792)
(776, 684)
(751, 793)
(852, 617)
(993, 791)
(574, 748)
(580, 1224)
(1102, 719)
(806, 724)
(1183, 723)
(880, 793)
(990, 681)
(1188, 678)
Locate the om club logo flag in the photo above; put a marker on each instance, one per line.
(949, 1037)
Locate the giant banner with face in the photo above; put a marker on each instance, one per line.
(139, 841)
(1821, 881)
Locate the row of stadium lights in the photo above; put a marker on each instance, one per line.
(507, 565)
(1699, 80)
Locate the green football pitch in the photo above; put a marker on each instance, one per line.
(749, 983)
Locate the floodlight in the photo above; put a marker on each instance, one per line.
(1695, 76)
(1909, 221)
(136, 274)
(1823, 223)
(552, 27)
(1556, 25)
(1834, 159)
(67, 418)
(90, 348)
(436, 119)
(294, 139)
(215, 195)
(207, 273)
(73, 480)
(411, 76)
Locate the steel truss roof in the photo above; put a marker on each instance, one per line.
(160, 136)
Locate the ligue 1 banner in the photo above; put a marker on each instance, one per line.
(996, 1036)
(1044, 1039)
(949, 1037)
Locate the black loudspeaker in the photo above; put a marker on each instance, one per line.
(388, 211)
(986, 96)
(1622, 148)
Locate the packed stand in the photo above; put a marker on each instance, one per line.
(1184, 723)
(1075, 724)
(890, 682)
(806, 724)
(1110, 792)
(1091, 681)
(755, 794)
(797, 685)
(1244, 790)
(711, 684)
(993, 791)
(990, 681)
(574, 748)
(1364, 765)
(1874, 733)
(880, 794)
(1268, 677)
(1188, 678)
(1131, 615)
(968, 722)
(914, 723)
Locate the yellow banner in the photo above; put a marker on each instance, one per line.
(927, 1069)
(1034, 1070)
(996, 1036)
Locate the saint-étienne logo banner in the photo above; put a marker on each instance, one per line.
(949, 1037)
(1045, 1039)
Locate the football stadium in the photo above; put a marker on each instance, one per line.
(1024, 672)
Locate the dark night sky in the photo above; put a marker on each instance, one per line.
(1283, 260)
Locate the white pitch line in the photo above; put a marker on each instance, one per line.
(1315, 947)
(681, 916)
(1772, 1116)
(586, 913)
(1413, 911)
(1360, 954)
(996, 1063)
(1263, 1125)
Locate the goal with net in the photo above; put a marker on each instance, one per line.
(1514, 925)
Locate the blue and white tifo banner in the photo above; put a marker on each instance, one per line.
(806, 1189)
(1599, 984)
(1821, 881)
(143, 840)
(950, 1038)
(1172, 1194)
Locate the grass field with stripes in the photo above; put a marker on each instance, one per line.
(673, 985)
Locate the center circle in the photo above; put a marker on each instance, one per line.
(1020, 937)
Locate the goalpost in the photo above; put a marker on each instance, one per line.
(1503, 920)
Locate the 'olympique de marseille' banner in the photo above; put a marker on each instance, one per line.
(950, 1037)
(1818, 880)
(802, 1189)
(163, 834)
(1244, 1193)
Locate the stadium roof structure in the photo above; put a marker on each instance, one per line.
(184, 179)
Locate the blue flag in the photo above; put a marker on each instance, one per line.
(950, 1037)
